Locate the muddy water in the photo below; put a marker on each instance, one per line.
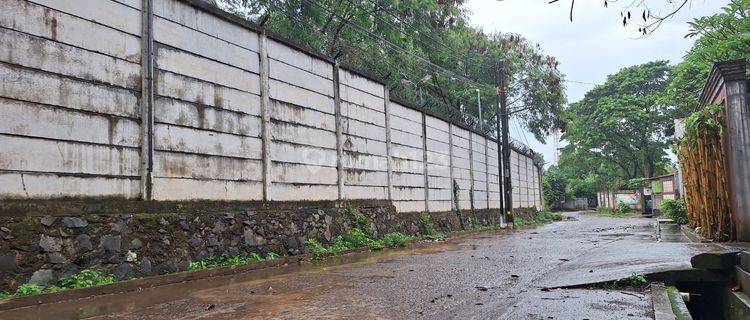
(246, 287)
(490, 276)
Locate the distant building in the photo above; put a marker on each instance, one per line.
(662, 188)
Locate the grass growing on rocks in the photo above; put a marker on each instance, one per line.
(356, 238)
(428, 229)
(83, 279)
(226, 260)
(542, 217)
(360, 236)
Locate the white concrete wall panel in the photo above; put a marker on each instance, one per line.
(69, 99)
(184, 14)
(16, 185)
(293, 114)
(197, 67)
(34, 19)
(70, 117)
(204, 45)
(194, 166)
(365, 158)
(45, 88)
(173, 85)
(462, 165)
(42, 155)
(194, 189)
(121, 15)
(55, 57)
(171, 111)
(37, 120)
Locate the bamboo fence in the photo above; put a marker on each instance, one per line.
(704, 171)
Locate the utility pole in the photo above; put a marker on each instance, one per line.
(502, 116)
(479, 105)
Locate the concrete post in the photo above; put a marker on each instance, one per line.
(539, 187)
(265, 115)
(727, 84)
(388, 147)
(450, 163)
(487, 169)
(738, 127)
(424, 163)
(339, 132)
(147, 100)
(526, 171)
(471, 170)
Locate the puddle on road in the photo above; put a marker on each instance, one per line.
(208, 289)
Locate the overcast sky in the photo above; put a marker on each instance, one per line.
(592, 46)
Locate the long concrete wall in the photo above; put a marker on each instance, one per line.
(110, 98)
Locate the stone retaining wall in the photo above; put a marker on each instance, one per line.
(146, 239)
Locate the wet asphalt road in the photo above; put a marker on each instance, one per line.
(497, 275)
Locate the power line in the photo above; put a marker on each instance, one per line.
(580, 82)
(413, 28)
(362, 31)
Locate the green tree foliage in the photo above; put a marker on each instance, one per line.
(720, 37)
(582, 188)
(554, 184)
(675, 210)
(620, 125)
(425, 50)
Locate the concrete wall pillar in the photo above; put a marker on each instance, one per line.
(450, 164)
(471, 170)
(339, 133)
(727, 84)
(147, 99)
(487, 180)
(424, 163)
(265, 116)
(738, 130)
(388, 147)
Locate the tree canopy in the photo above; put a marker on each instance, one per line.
(426, 52)
(720, 37)
(621, 125)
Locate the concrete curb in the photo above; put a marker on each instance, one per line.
(660, 302)
(694, 237)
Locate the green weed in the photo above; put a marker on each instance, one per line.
(358, 219)
(28, 289)
(83, 279)
(635, 280)
(457, 209)
(425, 224)
(226, 260)
(602, 212)
(395, 239)
(356, 238)
(675, 210)
(544, 216)
(428, 229)
(315, 247)
(86, 278)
